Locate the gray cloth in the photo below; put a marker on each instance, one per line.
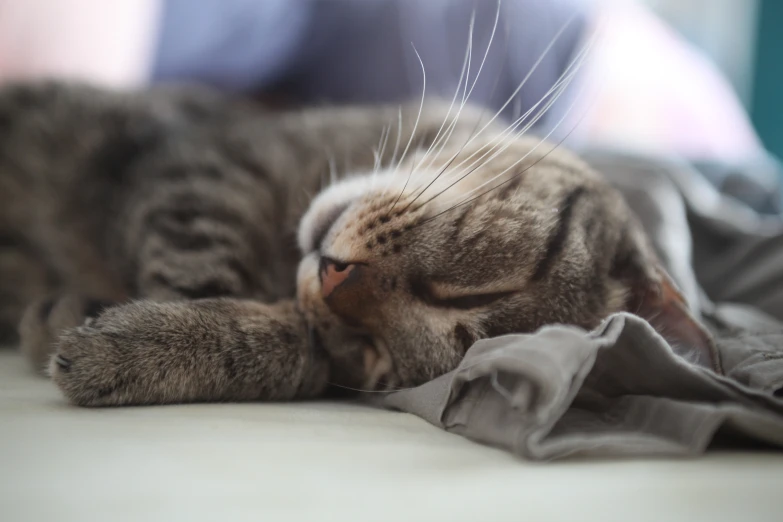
(620, 389)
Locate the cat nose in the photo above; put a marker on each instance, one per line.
(332, 274)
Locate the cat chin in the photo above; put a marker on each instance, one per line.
(330, 203)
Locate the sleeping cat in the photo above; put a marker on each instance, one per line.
(177, 245)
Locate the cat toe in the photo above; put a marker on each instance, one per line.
(84, 367)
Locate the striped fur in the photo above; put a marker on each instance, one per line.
(191, 206)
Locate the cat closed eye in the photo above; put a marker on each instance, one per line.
(424, 292)
(466, 302)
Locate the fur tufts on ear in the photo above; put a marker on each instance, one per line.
(660, 303)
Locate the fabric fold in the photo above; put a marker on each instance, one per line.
(621, 390)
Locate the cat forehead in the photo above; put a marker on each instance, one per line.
(329, 204)
(370, 197)
(372, 207)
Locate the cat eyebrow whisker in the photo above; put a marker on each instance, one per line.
(466, 95)
(495, 149)
(476, 165)
(556, 91)
(332, 169)
(533, 69)
(415, 125)
(381, 149)
(566, 76)
(520, 173)
(583, 57)
(558, 88)
(465, 67)
(560, 142)
(465, 99)
(396, 149)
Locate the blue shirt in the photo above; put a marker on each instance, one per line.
(354, 51)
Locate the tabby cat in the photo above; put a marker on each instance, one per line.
(149, 244)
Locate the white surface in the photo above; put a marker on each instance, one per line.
(308, 462)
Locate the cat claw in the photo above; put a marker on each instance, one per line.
(63, 362)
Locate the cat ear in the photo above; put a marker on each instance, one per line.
(658, 300)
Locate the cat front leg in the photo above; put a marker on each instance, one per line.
(189, 228)
(189, 351)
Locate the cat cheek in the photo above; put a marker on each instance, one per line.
(463, 338)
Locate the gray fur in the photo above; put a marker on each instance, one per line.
(188, 203)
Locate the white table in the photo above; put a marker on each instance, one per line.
(329, 461)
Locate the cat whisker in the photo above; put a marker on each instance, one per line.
(556, 90)
(512, 178)
(520, 160)
(376, 160)
(362, 390)
(533, 69)
(495, 149)
(513, 96)
(332, 169)
(396, 149)
(466, 93)
(415, 125)
(465, 67)
(554, 128)
(381, 149)
(496, 152)
(465, 99)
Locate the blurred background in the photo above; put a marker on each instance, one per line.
(700, 78)
(744, 39)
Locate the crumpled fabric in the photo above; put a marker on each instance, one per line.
(620, 390)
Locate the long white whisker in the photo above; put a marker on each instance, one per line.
(527, 153)
(543, 140)
(381, 147)
(478, 121)
(443, 140)
(376, 159)
(566, 75)
(517, 122)
(465, 67)
(332, 169)
(500, 147)
(466, 97)
(527, 76)
(558, 88)
(396, 149)
(415, 125)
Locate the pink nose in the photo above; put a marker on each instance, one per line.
(333, 274)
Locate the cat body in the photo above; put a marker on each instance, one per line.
(177, 245)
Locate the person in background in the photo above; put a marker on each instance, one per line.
(652, 89)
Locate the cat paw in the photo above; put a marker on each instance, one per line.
(90, 368)
(45, 320)
(127, 355)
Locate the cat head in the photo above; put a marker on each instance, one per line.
(404, 269)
